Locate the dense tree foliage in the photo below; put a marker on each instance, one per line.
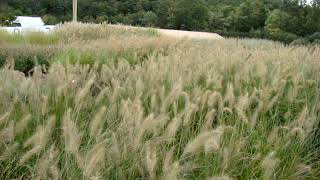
(284, 20)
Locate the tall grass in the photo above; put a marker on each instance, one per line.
(230, 109)
(37, 38)
(80, 43)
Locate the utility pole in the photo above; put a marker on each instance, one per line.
(75, 10)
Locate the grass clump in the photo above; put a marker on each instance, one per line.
(230, 109)
(24, 58)
(71, 32)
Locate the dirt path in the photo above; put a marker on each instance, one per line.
(189, 34)
(179, 33)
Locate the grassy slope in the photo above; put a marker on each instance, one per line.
(243, 109)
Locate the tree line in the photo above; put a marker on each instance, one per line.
(283, 20)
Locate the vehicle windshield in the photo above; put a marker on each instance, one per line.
(16, 25)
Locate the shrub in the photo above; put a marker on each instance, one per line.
(73, 56)
(314, 37)
(316, 42)
(282, 36)
(26, 57)
(301, 41)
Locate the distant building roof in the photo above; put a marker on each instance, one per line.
(27, 21)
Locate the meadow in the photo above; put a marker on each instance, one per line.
(93, 102)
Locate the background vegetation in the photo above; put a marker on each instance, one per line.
(282, 20)
(79, 43)
(130, 104)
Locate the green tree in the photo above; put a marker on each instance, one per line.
(7, 13)
(241, 18)
(191, 15)
(222, 18)
(49, 19)
(276, 24)
(165, 11)
(251, 14)
(149, 19)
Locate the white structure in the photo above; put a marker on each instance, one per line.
(28, 24)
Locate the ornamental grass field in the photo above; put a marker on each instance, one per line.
(92, 102)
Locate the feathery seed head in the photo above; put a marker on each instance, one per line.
(96, 125)
(151, 160)
(303, 169)
(209, 140)
(7, 134)
(243, 102)
(230, 97)
(47, 165)
(269, 164)
(227, 155)
(274, 135)
(9, 151)
(85, 90)
(215, 101)
(168, 160)
(101, 95)
(173, 95)
(148, 123)
(115, 151)
(22, 124)
(70, 133)
(173, 172)
(220, 178)
(240, 144)
(172, 128)
(254, 117)
(94, 160)
(42, 135)
(298, 132)
(139, 86)
(209, 120)
(186, 98)
(28, 155)
(204, 98)
(189, 110)
(44, 106)
(4, 118)
(153, 102)
(243, 117)
(302, 117)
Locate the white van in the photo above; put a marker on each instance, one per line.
(24, 24)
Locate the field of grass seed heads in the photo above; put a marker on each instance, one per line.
(95, 102)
